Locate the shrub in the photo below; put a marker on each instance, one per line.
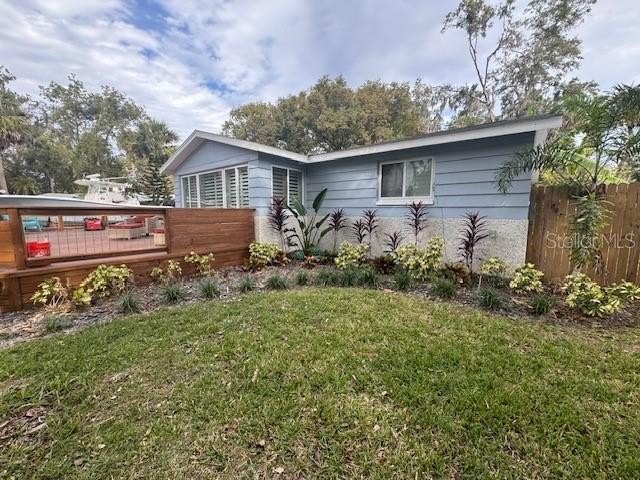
(50, 294)
(173, 293)
(209, 289)
(527, 279)
(129, 303)
(278, 220)
(392, 241)
(444, 287)
(309, 229)
(370, 218)
(403, 280)
(106, 279)
(416, 219)
(81, 297)
(302, 278)
(203, 263)
(541, 304)
(491, 298)
(337, 222)
(595, 301)
(359, 230)
(328, 277)
(493, 267)
(367, 277)
(384, 264)
(309, 262)
(457, 272)
(246, 284)
(422, 263)
(277, 282)
(169, 274)
(56, 323)
(351, 256)
(262, 254)
(348, 277)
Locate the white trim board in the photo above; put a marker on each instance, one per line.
(540, 124)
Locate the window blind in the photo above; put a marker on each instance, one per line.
(211, 194)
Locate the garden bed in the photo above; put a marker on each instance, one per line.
(29, 324)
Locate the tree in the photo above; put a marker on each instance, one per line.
(333, 116)
(520, 61)
(601, 133)
(149, 146)
(14, 123)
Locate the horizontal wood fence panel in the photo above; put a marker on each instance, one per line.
(550, 238)
(226, 233)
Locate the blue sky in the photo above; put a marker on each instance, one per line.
(189, 62)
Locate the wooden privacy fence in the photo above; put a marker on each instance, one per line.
(36, 244)
(550, 239)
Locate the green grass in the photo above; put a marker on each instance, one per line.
(323, 383)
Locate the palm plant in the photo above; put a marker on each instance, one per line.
(278, 219)
(475, 230)
(602, 133)
(309, 231)
(392, 241)
(359, 230)
(416, 219)
(370, 218)
(337, 222)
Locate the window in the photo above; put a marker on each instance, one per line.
(406, 180)
(286, 183)
(228, 188)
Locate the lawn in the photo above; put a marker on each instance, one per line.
(322, 383)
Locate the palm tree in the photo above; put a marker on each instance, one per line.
(601, 133)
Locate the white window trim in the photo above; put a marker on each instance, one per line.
(289, 189)
(404, 199)
(196, 176)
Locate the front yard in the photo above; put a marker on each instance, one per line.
(322, 383)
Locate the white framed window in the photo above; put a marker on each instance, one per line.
(403, 181)
(223, 188)
(286, 183)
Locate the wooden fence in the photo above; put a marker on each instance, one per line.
(225, 232)
(550, 238)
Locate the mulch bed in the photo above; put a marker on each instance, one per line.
(29, 324)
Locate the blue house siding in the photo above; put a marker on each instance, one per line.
(260, 180)
(464, 179)
(211, 156)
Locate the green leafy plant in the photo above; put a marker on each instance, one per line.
(169, 274)
(416, 219)
(203, 263)
(263, 254)
(403, 280)
(493, 267)
(328, 277)
(593, 300)
(129, 303)
(302, 278)
(246, 284)
(51, 294)
(422, 263)
(348, 277)
(351, 256)
(366, 277)
(527, 279)
(337, 222)
(308, 231)
(81, 297)
(491, 298)
(56, 323)
(209, 288)
(106, 280)
(173, 293)
(444, 287)
(277, 282)
(474, 231)
(541, 304)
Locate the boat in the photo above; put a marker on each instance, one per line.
(108, 190)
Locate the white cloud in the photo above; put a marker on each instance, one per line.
(188, 61)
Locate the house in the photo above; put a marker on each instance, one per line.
(451, 171)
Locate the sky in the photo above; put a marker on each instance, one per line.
(189, 62)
